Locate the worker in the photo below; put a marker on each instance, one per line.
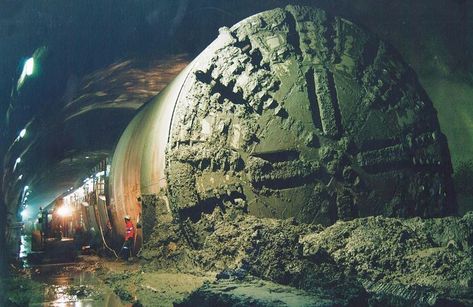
(41, 227)
(129, 237)
(79, 237)
(94, 239)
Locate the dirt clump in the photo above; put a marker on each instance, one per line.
(266, 248)
(373, 260)
(403, 260)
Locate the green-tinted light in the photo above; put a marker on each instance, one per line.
(24, 214)
(29, 67)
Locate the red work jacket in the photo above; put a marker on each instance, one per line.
(130, 230)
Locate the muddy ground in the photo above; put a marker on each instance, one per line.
(238, 260)
(153, 288)
(95, 281)
(374, 260)
(48, 283)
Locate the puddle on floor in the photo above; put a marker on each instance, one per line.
(64, 286)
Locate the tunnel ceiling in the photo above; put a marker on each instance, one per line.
(78, 101)
(83, 132)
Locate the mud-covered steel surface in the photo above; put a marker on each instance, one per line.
(295, 113)
(290, 113)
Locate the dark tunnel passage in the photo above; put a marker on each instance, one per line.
(269, 153)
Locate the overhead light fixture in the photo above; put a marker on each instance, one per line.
(29, 67)
(20, 136)
(28, 70)
(17, 161)
(22, 133)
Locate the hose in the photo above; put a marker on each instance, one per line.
(105, 243)
(101, 232)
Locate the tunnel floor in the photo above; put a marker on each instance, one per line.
(65, 285)
(264, 262)
(59, 276)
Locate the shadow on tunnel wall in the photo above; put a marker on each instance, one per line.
(462, 179)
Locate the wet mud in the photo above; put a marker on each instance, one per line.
(369, 261)
(61, 284)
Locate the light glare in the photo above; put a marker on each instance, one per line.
(24, 213)
(18, 160)
(29, 67)
(64, 211)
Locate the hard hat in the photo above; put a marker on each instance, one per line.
(127, 217)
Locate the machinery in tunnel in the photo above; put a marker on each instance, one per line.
(81, 214)
(289, 113)
(290, 149)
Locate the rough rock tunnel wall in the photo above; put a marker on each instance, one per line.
(290, 113)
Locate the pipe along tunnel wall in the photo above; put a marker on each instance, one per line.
(291, 113)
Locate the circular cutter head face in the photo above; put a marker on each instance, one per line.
(295, 113)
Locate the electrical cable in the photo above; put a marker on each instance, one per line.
(101, 232)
